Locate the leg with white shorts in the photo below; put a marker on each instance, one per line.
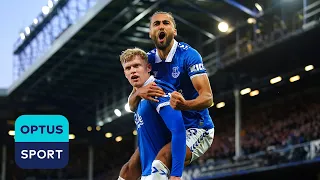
(199, 141)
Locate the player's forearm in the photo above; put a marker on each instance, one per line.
(203, 101)
(133, 100)
(178, 150)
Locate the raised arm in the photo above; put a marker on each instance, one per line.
(199, 78)
(204, 100)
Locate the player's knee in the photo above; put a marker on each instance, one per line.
(130, 171)
(165, 155)
(124, 172)
(127, 170)
(188, 157)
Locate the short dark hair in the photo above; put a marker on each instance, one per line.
(167, 13)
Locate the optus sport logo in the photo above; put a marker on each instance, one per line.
(41, 141)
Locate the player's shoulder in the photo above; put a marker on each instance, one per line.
(189, 53)
(182, 46)
(151, 55)
(186, 48)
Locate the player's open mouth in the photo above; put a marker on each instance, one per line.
(161, 36)
(134, 77)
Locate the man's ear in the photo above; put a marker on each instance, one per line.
(149, 67)
(175, 32)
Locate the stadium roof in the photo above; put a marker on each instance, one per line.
(82, 67)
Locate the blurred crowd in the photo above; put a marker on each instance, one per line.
(280, 123)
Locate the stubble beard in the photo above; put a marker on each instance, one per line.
(165, 45)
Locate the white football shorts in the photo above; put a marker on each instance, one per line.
(199, 141)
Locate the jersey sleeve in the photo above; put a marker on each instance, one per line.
(194, 63)
(174, 121)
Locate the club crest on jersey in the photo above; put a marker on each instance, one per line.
(175, 72)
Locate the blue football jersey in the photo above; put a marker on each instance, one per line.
(182, 64)
(154, 123)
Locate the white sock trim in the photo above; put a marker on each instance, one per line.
(159, 169)
(163, 165)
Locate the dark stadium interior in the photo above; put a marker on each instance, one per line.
(80, 77)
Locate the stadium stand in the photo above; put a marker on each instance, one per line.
(273, 133)
(75, 71)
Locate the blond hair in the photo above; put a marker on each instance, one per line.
(166, 13)
(129, 54)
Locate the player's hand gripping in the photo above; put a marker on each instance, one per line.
(150, 91)
(177, 101)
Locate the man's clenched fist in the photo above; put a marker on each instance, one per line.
(177, 101)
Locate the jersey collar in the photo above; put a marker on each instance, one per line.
(170, 55)
(150, 80)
